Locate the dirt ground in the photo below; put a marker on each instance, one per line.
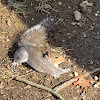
(82, 43)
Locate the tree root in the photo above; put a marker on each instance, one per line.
(39, 86)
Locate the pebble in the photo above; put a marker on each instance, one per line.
(75, 98)
(97, 37)
(97, 85)
(83, 7)
(84, 34)
(87, 3)
(9, 22)
(74, 23)
(27, 87)
(96, 14)
(63, 40)
(59, 3)
(75, 66)
(98, 11)
(71, 75)
(96, 78)
(75, 74)
(77, 15)
(79, 24)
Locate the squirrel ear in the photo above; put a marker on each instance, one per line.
(45, 54)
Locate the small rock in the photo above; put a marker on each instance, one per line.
(87, 3)
(84, 34)
(8, 40)
(91, 62)
(96, 85)
(27, 87)
(73, 23)
(78, 24)
(75, 74)
(98, 11)
(75, 98)
(96, 78)
(9, 22)
(59, 3)
(69, 60)
(63, 40)
(71, 75)
(1, 85)
(96, 14)
(77, 15)
(97, 37)
(69, 7)
(83, 7)
(74, 66)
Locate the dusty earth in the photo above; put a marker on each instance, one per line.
(82, 45)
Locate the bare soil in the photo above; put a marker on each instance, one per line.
(82, 51)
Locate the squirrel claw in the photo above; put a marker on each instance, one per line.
(14, 64)
(67, 70)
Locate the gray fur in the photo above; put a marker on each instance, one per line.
(29, 52)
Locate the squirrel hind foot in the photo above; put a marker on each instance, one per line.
(14, 64)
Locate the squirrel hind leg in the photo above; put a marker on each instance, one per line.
(20, 56)
(14, 64)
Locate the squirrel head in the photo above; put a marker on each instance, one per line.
(56, 57)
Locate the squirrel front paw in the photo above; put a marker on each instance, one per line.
(67, 70)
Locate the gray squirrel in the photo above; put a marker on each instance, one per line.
(29, 52)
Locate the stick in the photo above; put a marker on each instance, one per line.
(39, 86)
(93, 21)
(93, 71)
(67, 83)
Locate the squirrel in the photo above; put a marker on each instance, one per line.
(29, 52)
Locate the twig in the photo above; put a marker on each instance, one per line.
(1, 62)
(93, 71)
(48, 6)
(39, 86)
(67, 83)
(61, 20)
(27, 74)
(93, 21)
(63, 85)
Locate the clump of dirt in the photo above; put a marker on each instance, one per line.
(81, 49)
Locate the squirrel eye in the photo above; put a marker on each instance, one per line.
(56, 57)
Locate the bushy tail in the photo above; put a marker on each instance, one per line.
(49, 23)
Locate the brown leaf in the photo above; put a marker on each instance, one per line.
(82, 82)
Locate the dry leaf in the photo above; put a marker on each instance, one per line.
(82, 82)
